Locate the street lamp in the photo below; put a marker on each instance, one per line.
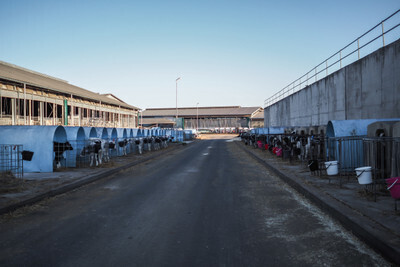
(197, 120)
(176, 82)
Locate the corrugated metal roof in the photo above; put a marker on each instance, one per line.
(18, 74)
(227, 111)
(156, 121)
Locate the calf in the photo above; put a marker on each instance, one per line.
(123, 144)
(94, 149)
(105, 147)
(59, 149)
(148, 141)
(164, 141)
(157, 143)
(139, 143)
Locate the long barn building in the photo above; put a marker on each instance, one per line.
(31, 98)
(212, 118)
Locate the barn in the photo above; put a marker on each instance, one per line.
(217, 118)
(31, 98)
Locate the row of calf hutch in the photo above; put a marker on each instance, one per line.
(368, 150)
(46, 148)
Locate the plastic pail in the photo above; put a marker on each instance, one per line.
(266, 146)
(331, 167)
(394, 187)
(364, 175)
(279, 152)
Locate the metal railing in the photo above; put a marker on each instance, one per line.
(336, 60)
(11, 164)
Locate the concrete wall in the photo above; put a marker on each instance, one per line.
(367, 89)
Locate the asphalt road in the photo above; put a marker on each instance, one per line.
(207, 204)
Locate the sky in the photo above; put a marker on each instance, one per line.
(227, 53)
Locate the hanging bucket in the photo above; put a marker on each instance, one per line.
(394, 187)
(331, 167)
(266, 146)
(279, 152)
(364, 175)
(274, 150)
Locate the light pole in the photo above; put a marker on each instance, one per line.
(197, 119)
(176, 82)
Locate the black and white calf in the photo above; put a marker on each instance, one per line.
(164, 141)
(59, 149)
(94, 150)
(139, 144)
(148, 141)
(157, 142)
(105, 147)
(123, 144)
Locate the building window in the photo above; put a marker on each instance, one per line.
(6, 106)
(59, 111)
(36, 108)
(49, 110)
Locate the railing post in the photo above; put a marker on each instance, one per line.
(299, 84)
(326, 68)
(340, 58)
(358, 48)
(315, 74)
(307, 79)
(383, 35)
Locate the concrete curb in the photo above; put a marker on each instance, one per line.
(77, 184)
(343, 214)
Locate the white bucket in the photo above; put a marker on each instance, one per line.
(364, 175)
(331, 167)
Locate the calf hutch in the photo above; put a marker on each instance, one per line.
(46, 148)
(41, 140)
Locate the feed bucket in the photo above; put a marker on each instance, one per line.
(364, 175)
(394, 187)
(274, 150)
(266, 146)
(279, 152)
(331, 167)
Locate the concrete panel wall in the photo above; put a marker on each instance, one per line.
(367, 89)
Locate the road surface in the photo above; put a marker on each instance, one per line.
(207, 204)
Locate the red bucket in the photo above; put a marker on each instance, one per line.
(266, 146)
(394, 187)
(274, 150)
(279, 152)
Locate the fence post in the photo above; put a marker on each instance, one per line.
(326, 68)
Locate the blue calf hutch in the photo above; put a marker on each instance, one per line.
(37, 139)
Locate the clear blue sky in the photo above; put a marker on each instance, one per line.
(227, 52)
